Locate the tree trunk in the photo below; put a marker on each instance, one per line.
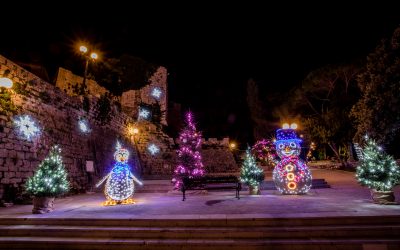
(334, 149)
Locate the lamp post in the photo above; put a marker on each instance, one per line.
(93, 56)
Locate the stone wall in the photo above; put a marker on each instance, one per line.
(57, 115)
(217, 157)
(130, 100)
(67, 81)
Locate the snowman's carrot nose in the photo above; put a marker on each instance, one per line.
(287, 148)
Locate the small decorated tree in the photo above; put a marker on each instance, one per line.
(189, 157)
(251, 174)
(49, 180)
(378, 171)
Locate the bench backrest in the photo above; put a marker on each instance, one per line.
(209, 179)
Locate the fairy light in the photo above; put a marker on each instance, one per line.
(250, 173)
(377, 170)
(189, 157)
(291, 175)
(156, 93)
(83, 126)
(153, 149)
(26, 126)
(264, 150)
(144, 114)
(50, 178)
(120, 180)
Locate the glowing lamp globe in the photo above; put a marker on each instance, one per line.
(83, 49)
(94, 56)
(6, 82)
(285, 125)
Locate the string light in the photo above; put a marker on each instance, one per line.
(189, 158)
(26, 126)
(120, 185)
(251, 174)
(144, 114)
(83, 126)
(377, 170)
(153, 149)
(291, 175)
(156, 93)
(50, 178)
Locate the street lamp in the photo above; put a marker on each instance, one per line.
(93, 56)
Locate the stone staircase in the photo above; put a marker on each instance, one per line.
(381, 232)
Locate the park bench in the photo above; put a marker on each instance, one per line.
(210, 183)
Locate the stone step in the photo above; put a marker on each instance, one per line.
(363, 231)
(257, 233)
(110, 243)
(227, 222)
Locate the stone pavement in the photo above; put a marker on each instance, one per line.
(345, 198)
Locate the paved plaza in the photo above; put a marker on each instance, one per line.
(345, 198)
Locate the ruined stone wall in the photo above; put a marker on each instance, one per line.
(217, 157)
(67, 81)
(130, 100)
(57, 115)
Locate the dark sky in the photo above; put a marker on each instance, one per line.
(209, 50)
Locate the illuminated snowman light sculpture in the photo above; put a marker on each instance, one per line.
(120, 181)
(291, 175)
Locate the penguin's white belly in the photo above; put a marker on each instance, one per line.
(119, 186)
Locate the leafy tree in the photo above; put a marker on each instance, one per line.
(378, 110)
(257, 113)
(324, 101)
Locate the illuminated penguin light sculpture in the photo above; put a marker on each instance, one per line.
(120, 185)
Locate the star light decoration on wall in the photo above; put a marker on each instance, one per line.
(156, 93)
(26, 127)
(153, 149)
(84, 126)
(144, 114)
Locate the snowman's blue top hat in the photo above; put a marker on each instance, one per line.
(287, 135)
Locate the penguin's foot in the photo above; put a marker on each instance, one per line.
(109, 203)
(128, 201)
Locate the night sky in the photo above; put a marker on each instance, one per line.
(210, 51)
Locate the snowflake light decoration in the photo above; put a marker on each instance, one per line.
(26, 126)
(83, 126)
(156, 93)
(144, 114)
(153, 149)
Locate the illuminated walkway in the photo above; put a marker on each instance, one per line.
(345, 198)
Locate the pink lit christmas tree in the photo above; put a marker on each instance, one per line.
(189, 157)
